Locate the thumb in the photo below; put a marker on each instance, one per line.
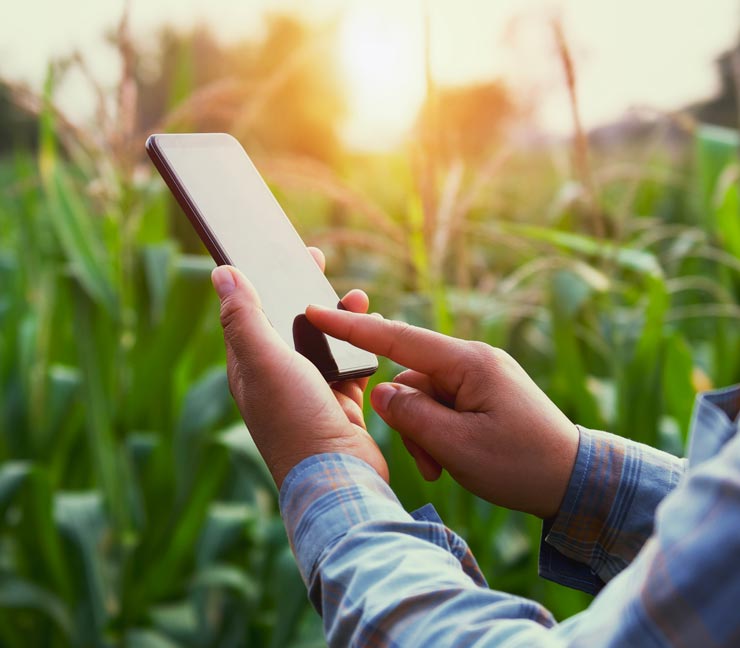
(428, 467)
(247, 330)
(417, 417)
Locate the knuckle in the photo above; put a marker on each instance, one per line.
(231, 312)
(402, 334)
(404, 330)
(238, 377)
(499, 356)
(236, 387)
(481, 353)
(483, 358)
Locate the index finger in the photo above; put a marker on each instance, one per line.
(410, 346)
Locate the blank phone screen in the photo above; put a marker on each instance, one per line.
(245, 221)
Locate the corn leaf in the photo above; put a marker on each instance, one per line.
(17, 594)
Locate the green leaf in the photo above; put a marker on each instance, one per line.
(143, 638)
(242, 447)
(170, 545)
(141, 446)
(512, 544)
(40, 549)
(670, 437)
(61, 398)
(8, 272)
(571, 292)
(169, 352)
(292, 600)
(630, 258)
(78, 236)
(638, 408)
(570, 378)
(207, 403)
(678, 390)
(178, 620)
(93, 337)
(194, 266)
(13, 475)
(226, 524)
(727, 211)
(16, 593)
(70, 218)
(158, 266)
(716, 147)
(82, 521)
(227, 577)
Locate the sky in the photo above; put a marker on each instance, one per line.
(629, 53)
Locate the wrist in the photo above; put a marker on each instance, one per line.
(366, 452)
(563, 460)
(324, 496)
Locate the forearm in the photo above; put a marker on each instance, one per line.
(608, 511)
(682, 589)
(380, 577)
(400, 585)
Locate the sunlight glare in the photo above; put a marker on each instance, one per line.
(381, 53)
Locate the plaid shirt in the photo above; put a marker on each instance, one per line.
(670, 573)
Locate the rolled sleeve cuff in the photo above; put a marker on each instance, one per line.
(608, 509)
(714, 422)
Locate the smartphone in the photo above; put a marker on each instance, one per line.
(242, 224)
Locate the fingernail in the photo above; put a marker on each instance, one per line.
(382, 395)
(320, 309)
(223, 281)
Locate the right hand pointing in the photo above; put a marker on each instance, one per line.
(470, 408)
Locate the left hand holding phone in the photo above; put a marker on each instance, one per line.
(290, 410)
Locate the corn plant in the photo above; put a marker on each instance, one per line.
(134, 507)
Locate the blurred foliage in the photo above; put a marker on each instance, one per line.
(134, 509)
(18, 127)
(280, 93)
(474, 119)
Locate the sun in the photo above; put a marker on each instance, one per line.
(381, 52)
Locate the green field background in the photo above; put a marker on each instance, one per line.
(134, 508)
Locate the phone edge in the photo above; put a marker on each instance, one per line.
(204, 233)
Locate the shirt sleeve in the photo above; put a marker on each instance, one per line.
(380, 577)
(608, 510)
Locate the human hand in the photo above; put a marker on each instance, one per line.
(469, 408)
(290, 410)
